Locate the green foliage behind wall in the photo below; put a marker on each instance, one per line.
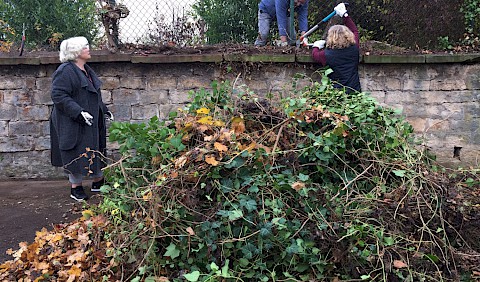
(229, 21)
(47, 22)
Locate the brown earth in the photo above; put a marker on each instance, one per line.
(29, 205)
(367, 48)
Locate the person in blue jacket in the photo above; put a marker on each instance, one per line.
(279, 10)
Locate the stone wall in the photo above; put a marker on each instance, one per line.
(438, 95)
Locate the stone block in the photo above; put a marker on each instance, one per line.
(19, 98)
(164, 110)
(133, 82)
(157, 83)
(453, 111)
(193, 82)
(3, 129)
(107, 97)
(36, 113)
(110, 82)
(154, 97)
(144, 113)
(416, 85)
(432, 125)
(8, 112)
(44, 84)
(392, 83)
(178, 97)
(402, 97)
(42, 143)
(27, 128)
(379, 96)
(449, 84)
(41, 97)
(12, 83)
(16, 144)
(121, 112)
(126, 96)
(419, 124)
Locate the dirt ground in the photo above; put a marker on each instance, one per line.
(29, 205)
(370, 47)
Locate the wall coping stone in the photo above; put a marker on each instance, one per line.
(52, 58)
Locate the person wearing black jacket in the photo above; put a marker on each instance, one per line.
(342, 52)
(78, 118)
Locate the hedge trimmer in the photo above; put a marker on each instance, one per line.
(303, 39)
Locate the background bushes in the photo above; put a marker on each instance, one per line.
(47, 22)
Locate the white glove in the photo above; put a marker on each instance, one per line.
(109, 116)
(305, 42)
(87, 118)
(320, 44)
(341, 10)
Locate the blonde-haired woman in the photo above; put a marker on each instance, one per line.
(342, 52)
(77, 122)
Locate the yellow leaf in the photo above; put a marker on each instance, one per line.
(57, 237)
(148, 196)
(206, 120)
(211, 160)
(204, 111)
(87, 214)
(74, 272)
(220, 147)
(218, 123)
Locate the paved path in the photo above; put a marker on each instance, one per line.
(28, 206)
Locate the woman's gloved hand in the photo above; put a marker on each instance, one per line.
(320, 44)
(85, 118)
(341, 10)
(109, 116)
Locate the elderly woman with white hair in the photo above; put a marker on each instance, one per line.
(77, 122)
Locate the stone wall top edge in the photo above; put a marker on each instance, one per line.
(214, 58)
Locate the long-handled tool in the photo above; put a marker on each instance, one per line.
(23, 41)
(315, 27)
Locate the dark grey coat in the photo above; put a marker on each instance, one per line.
(72, 143)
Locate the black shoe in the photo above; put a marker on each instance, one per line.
(78, 194)
(96, 185)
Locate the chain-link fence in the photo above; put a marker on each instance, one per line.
(191, 22)
(180, 23)
(155, 21)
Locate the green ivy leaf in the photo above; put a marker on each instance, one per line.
(399, 173)
(192, 277)
(172, 251)
(234, 215)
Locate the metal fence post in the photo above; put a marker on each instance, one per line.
(292, 19)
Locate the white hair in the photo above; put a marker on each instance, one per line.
(70, 48)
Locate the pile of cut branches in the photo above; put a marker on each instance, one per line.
(319, 186)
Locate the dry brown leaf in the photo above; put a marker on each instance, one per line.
(211, 160)
(238, 125)
(399, 264)
(190, 231)
(181, 161)
(297, 186)
(220, 147)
